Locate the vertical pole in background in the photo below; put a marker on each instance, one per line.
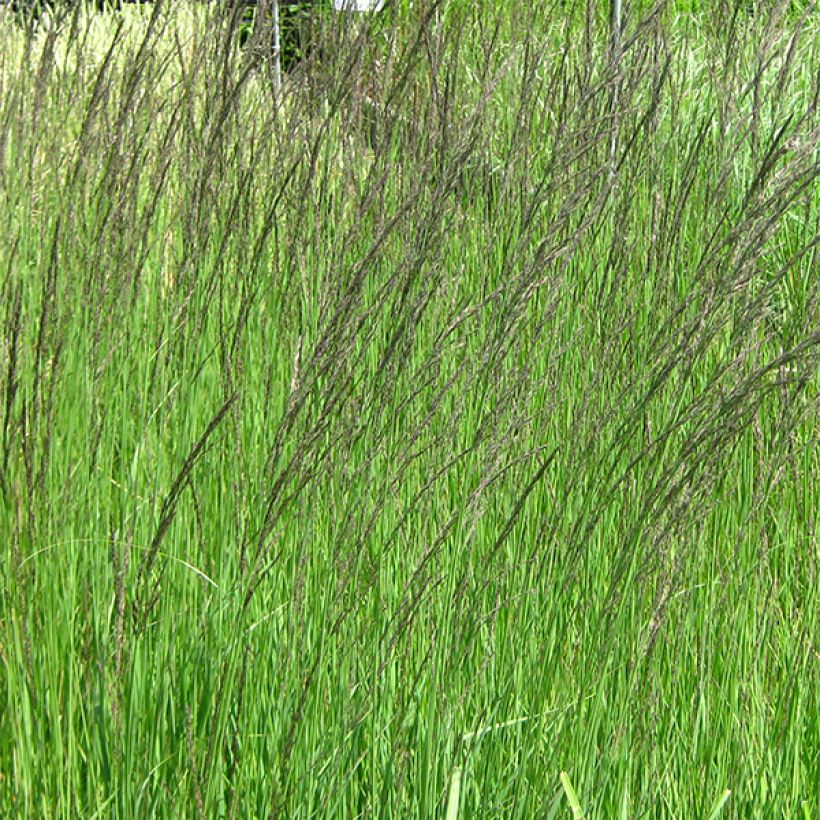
(615, 50)
(277, 50)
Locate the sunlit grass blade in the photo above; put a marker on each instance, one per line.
(454, 796)
(717, 808)
(572, 797)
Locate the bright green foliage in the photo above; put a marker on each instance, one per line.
(386, 449)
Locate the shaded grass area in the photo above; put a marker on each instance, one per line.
(392, 447)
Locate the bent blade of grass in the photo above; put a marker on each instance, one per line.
(572, 797)
(479, 733)
(719, 804)
(485, 730)
(69, 541)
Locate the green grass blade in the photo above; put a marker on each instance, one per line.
(455, 795)
(572, 797)
(719, 804)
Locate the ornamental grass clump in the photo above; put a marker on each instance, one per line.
(432, 434)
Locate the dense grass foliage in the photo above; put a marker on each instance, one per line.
(447, 424)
